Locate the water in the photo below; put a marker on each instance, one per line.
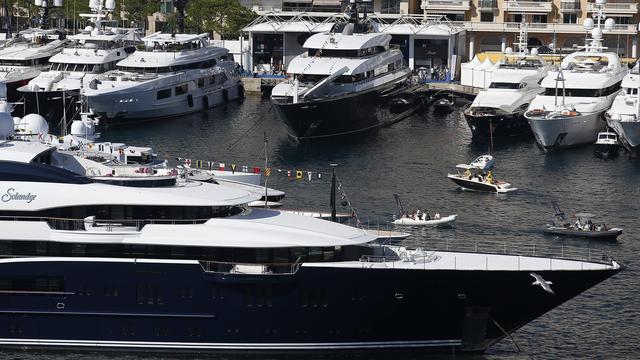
(412, 159)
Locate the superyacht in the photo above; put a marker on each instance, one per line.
(191, 268)
(569, 113)
(168, 75)
(499, 110)
(341, 82)
(94, 50)
(624, 115)
(25, 55)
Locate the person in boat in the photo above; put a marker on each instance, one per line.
(427, 216)
(489, 178)
(418, 215)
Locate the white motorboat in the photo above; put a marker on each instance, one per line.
(577, 93)
(624, 115)
(420, 218)
(583, 227)
(425, 220)
(94, 50)
(499, 110)
(607, 145)
(478, 176)
(170, 75)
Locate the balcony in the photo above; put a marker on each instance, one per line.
(445, 5)
(515, 6)
(487, 5)
(615, 8)
(514, 27)
(569, 6)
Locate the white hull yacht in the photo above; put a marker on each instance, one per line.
(569, 113)
(170, 75)
(624, 115)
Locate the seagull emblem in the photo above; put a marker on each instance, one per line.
(542, 282)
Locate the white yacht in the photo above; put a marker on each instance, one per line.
(94, 50)
(339, 84)
(624, 115)
(24, 56)
(499, 110)
(577, 94)
(169, 75)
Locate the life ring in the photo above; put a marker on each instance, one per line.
(225, 95)
(190, 100)
(205, 102)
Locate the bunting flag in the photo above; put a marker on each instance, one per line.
(298, 174)
(267, 171)
(233, 168)
(309, 175)
(199, 164)
(256, 170)
(245, 168)
(288, 173)
(221, 167)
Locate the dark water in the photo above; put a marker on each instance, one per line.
(412, 158)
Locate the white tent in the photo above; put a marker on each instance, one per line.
(466, 71)
(482, 74)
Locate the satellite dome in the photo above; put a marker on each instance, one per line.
(508, 50)
(609, 24)
(534, 51)
(34, 124)
(588, 24)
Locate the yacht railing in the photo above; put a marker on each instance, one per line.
(531, 249)
(221, 267)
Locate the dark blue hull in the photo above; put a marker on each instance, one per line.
(50, 104)
(176, 305)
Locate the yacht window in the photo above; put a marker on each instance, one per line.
(212, 80)
(164, 93)
(504, 85)
(182, 89)
(584, 92)
(31, 284)
(89, 68)
(201, 83)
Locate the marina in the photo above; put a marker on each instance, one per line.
(153, 205)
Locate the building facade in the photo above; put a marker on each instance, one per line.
(439, 32)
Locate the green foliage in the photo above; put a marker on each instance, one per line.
(226, 17)
(136, 11)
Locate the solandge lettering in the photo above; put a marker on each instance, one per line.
(13, 195)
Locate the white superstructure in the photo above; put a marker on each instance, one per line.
(169, 75)
(94, 50)
(24, 56)
(624, 115)
(577, 93)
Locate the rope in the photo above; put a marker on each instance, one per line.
(346, 198)
(313, 59)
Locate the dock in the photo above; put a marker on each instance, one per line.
(261, 84)
(431, 88)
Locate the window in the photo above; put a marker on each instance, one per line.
(504, 85)
(181, 89)
(486, 16)
(31, 284)
(164, 93)
(540, 19)
(201, 82)
(390, 7)
(517, 18)
(570, 18)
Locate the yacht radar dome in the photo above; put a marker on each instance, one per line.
(588, 24)
(534, 52)
(508, 51)
(110, 5)
(596, 33)
(83, 129)
(34, 124)
(609, 24)
(6, 126)
(38, 2)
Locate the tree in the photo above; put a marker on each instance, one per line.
(136, 11)
(225, 17)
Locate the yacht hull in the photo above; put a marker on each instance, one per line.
(143, 105)
(561, 132)
(176, 306)
(497, 126)
(342, 115)
(50, 104)
(629, 132)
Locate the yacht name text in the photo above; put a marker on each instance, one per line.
(12, 194)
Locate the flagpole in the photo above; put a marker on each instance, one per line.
(266, 189)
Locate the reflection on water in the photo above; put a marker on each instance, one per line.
(412, 159)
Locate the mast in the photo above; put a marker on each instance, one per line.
(332, 201)
(266, 189)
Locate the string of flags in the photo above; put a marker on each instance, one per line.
(296, 174)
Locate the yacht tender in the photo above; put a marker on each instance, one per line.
(624, 115)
